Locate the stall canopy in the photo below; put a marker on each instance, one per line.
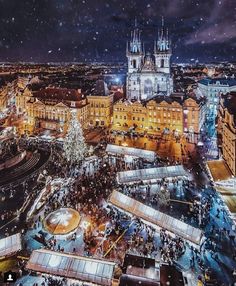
(134, 152)
(10, 245)
(151, 174)
(72, 266)
(155, 217)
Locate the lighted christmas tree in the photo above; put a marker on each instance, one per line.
(74, 144)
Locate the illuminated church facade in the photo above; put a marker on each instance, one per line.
(148, 76)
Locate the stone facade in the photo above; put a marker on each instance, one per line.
(148, 76)
(177, 114)
(226, 128)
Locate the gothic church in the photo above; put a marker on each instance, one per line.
(148, 76)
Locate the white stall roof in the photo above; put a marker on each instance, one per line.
(135, 152)
(10, 245)
(151, 174)
(72, 266)
(153, 216)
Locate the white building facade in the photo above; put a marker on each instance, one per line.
(212, 89)
(148, 76)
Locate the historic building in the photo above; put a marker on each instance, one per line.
(177, 113)
(21, 100)
(227, 129)
(10, 92)
(50, 108)
(100, 105)
(212, 88)
(3, 98)
(148, 76)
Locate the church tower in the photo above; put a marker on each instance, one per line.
(146, 78)
(162, 50)
(135, 56)
(134, 51)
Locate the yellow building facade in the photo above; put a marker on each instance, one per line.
(22, 99)
(3, 98)
(100, 105)
(194, 113)
(100, 110)
(51, 109)
(226, 129)
(159, 115)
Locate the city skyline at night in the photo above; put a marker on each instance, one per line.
(88, 31)
(117, 142)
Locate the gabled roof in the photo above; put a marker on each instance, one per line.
(61, 104)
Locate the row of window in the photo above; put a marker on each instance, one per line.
(101, 105)
(97, 122)
(150, 108)
(150, 119)
(165, 109)
(98, 113)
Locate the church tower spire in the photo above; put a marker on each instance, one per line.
(135, 44)
(162, 49)
(135, 56)
(134, 49)
(146, 78)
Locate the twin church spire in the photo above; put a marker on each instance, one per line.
(162, 44)
(148, 75)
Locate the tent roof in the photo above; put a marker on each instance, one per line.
(72, 266)
(219, 170)
(152, 173)
(135, 152)
(10, 245)
(156, 217)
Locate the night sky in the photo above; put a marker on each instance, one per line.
(97, 30)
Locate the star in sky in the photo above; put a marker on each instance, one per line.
(88, 30)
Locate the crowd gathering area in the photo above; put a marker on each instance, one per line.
(124, 216)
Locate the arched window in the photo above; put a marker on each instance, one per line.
(162, 63)
(148, 87)
(134, 64)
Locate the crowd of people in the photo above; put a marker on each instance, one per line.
(88, 193)
(171, 247)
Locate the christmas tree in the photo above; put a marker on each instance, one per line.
(74, 144)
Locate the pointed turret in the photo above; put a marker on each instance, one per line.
(134, 50)
(135, 44)
(162, 49)
(162, 43)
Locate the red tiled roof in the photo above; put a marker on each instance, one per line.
(59, 94)
(54, 96)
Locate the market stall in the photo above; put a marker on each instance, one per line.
(149, 156)
(152, 174)
(10, 245)
(156, 217)
(72, 266)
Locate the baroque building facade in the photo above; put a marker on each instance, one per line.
(50, 109)
(100, 105)
(148, 76)
(226, 129)
(177, 113)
